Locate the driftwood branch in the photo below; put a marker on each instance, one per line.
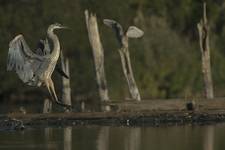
(98, 53)
(66, 90)
(128, 73)
(132, 32)
(203, 29)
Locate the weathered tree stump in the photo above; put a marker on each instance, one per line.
(203, 29)
(66, 90)
(132, 32)
(47, 106)
(98, 53)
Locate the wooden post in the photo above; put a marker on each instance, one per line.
(98, 53)
(132, 32)
(66, 90)
(203, 29)
(47, 106)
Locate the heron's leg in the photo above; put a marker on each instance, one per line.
(49, 90)
(52, 88)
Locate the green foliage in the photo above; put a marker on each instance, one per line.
(166, 61)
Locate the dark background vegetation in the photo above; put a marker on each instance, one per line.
(166, 61)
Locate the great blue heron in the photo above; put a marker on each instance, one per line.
(36, 68)
(43, 48)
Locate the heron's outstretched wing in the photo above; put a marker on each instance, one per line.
(22, 59)
(134, 32)
(116, 27)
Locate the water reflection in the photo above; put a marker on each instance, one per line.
(209, 138)
(48, 134)
(103, 139)
(67, 138)
(133, 139)
(116, 138)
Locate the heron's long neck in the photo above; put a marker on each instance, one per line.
(56, 46)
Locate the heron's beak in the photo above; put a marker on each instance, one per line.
(64, 27)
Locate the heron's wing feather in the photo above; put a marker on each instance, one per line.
(116, 27)
(134, 32)
(43, 48)
(40, 48)
(22, 59)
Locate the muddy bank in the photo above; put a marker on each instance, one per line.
(129, 113)
(21, 121)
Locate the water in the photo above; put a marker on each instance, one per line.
(116, 138)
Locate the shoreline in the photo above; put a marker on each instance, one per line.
(129, 113)
(153, 119)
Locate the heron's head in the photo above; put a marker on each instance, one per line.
(56, 26)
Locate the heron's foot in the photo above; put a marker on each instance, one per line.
(66, 106)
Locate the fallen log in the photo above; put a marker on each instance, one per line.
(133, 113)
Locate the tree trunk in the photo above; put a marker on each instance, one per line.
(66, 90)
(128, 73)
(98, 54)
(47, 106)
(203, 30)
